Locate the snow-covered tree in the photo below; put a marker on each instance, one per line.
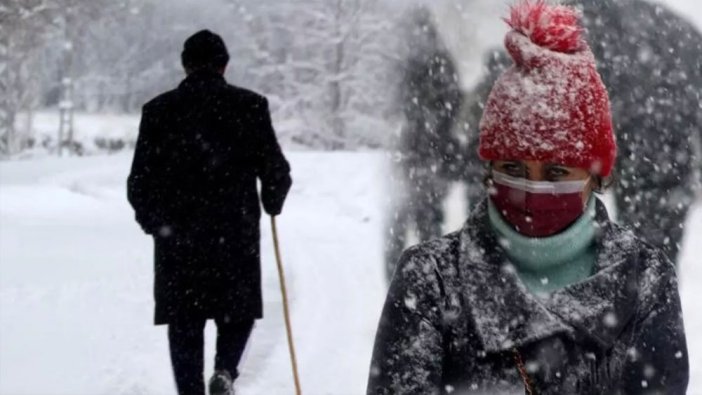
(327, 67)
(41, 42)
(325, 62)
(22, 27)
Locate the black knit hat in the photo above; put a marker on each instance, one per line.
(204, 49)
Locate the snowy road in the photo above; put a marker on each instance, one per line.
(76, 273)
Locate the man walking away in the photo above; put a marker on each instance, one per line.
(200, 151)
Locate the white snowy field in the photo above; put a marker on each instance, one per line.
(76, 281)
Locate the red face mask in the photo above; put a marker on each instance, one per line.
(538, 208)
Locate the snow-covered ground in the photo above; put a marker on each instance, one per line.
(76, 272)
(76, 281)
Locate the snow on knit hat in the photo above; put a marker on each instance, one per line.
(551, 105)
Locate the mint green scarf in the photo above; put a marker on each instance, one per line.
(547, 264)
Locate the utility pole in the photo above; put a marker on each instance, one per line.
(65, 133)
(66, 105)
(7, 113)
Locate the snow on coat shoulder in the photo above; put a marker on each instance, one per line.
(455, 313)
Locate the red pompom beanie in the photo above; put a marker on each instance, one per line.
(551, 105)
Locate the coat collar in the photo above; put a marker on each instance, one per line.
(507, 315)
(201, 78)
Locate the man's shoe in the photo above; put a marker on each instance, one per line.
(221, 383)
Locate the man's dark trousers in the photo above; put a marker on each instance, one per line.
(186, 342)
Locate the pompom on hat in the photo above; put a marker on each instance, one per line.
(551, 105)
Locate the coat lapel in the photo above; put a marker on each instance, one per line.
(599, 307)
(506, 315)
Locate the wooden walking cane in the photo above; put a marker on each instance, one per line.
(286, 310)
(523, 373)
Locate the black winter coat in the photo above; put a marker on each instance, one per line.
(200, 151)
(456, 311)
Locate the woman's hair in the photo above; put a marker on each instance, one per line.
(602, 184)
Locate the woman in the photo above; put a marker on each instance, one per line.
(539, 292)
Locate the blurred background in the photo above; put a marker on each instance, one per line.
(329, 67)
(325, 66)
(376, 104)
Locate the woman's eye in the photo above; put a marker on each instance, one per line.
(513, 169)
(556, 172)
